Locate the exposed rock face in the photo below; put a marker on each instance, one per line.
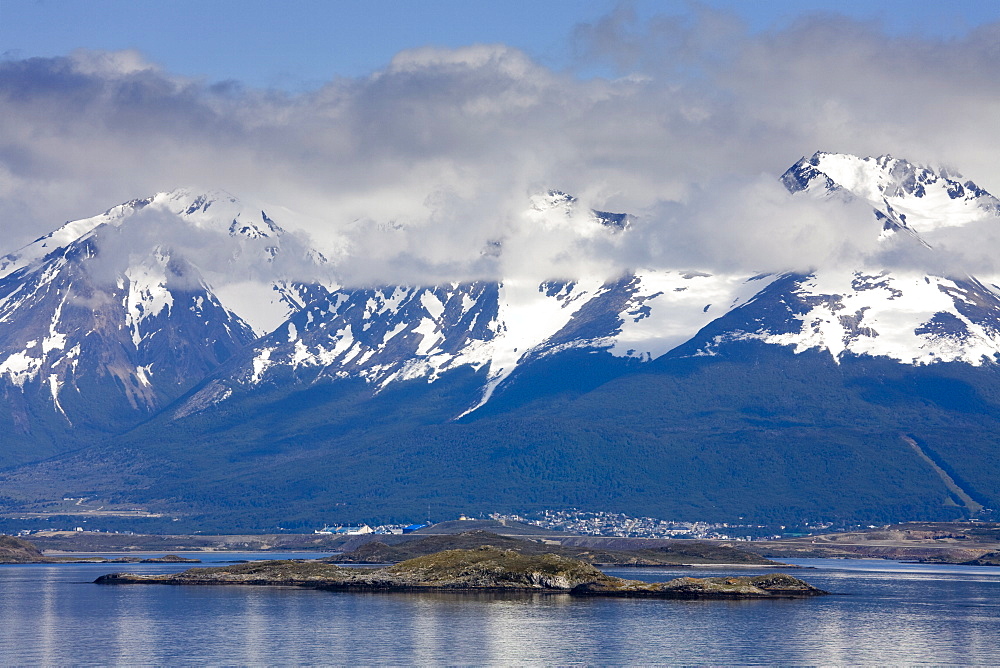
(483, 569)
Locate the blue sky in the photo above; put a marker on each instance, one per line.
(301, 44)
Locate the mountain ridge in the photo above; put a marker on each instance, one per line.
(663, 392)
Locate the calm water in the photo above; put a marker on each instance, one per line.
(891, 613)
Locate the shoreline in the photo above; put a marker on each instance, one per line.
(73, 553)
(700, 565)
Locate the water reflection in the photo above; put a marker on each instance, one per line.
(889, 614)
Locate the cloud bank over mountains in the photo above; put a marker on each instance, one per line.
(414, 173)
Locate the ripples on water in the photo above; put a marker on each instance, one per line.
(891, 614)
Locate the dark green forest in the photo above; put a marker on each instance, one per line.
(757, 433)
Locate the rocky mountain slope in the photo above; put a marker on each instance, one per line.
(108, 319)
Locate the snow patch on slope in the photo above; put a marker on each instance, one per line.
(908, 317)
(670, 306)
(148, 294)
(527, 317)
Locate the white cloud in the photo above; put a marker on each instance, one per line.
(417, 168)
(110, 63)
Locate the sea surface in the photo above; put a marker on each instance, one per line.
(886, 613)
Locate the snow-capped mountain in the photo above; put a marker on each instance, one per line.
(860, 392)
(234, 245)
(904, 196)
(109, 318)
(900, 314)
(904, 316)
(166, 317)
(396, 333)
(499, 329)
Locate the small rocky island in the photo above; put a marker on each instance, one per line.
(486, 568)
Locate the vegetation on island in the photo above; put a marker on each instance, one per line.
(487, 568)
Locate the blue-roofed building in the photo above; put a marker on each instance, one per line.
(414, 527)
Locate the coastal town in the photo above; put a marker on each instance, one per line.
(599, 523)
(603, 523)
(587, 523)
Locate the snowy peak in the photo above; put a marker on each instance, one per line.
(262, 273)
(218, 211)
(215, 210)
(554, 199)
(66, 234)
(130, 308)
(254, 230)
(903, 195)
(904, 315)
(184, 204)
(212, 209)
(555, 208)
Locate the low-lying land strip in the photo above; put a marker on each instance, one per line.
(932, 542)
(18, 551)
(970, 543)
(679, 552)
(446, 535)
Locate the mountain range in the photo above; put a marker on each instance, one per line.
(186, 355)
